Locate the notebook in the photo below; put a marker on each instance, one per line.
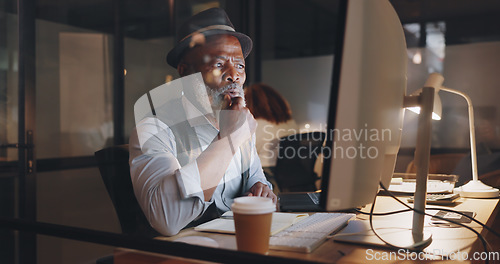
(225, 224)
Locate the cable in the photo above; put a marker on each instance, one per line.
(442, 209)
(483, 241)
(433, 208)
(371, 213)
(383, 214)
(430, 208)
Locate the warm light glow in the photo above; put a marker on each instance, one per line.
(124, 72)
(168, 78)
(417, 58)
(307, 126)
(435, 116)
(416, 110)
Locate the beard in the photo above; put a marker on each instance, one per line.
(217, 95)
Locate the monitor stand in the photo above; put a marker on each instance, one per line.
(359, 232)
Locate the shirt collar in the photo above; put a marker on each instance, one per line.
(194, 116)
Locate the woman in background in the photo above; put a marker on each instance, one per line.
(274, 118)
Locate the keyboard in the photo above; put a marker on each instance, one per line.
(306, 235)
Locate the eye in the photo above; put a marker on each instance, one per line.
(218, 64)
(240, 66)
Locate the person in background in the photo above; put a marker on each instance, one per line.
(274, 121)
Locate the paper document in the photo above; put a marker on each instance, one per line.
(432, 187)
(225, 224)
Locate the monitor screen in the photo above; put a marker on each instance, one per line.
(366, 111)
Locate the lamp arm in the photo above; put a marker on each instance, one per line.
(471, 130)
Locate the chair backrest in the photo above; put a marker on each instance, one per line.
(297, 155)
(115, 172)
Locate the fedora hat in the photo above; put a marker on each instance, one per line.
(210, 22)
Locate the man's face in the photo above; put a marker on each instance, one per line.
(221, 63)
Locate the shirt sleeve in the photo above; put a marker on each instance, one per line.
(155, 173)
(256, 172)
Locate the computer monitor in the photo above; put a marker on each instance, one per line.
(366, 105)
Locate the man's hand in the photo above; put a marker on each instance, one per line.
(262, 190)
(236, 120)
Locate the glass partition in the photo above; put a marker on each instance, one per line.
(293, 53)
(8, 122)
(9, 52)
(74, 84)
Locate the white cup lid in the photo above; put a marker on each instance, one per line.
(253, 205)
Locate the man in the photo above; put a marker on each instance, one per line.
(194, 153)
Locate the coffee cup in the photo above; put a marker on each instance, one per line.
(252, 221)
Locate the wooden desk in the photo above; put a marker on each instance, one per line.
(445, 240)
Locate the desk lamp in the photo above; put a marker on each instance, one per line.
(474, 188)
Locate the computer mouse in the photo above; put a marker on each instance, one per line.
(198, 240)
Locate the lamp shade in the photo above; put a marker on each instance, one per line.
(474, 188)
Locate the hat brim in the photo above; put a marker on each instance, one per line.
(175, 55)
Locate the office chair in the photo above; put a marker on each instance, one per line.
(297, 154)
(115, 172)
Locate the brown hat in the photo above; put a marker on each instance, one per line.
(210, 22)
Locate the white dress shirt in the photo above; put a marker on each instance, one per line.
(165, 173)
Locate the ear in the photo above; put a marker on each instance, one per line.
(183, 69)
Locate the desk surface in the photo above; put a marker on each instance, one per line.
(445, 240)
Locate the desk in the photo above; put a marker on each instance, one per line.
(446, 240)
